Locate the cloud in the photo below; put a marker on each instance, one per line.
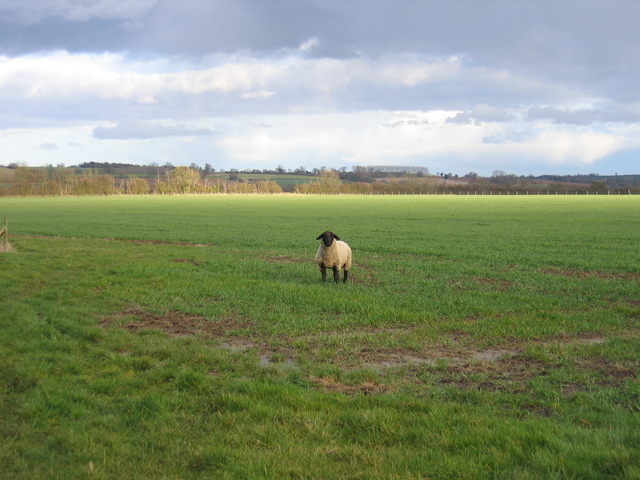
(566, 146)
(91, 81)
(581, 116)
(36, 11)
(145, 130)
(405, 82)
(406, 123)
(531, 39)
(501, 138)
(420, 138)
(256, 95)
(47, 146)
(482, 113)
(110, 76)
(309, 45)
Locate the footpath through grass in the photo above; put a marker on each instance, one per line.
(191, 337)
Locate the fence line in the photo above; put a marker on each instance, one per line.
(475, 192)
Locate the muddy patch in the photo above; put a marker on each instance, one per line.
(491, 354)
(331, 385)
(178, 324)
(509, 374)
(582, 339)
(350, 349)
(285, 259)
(157, 242)
(589, 274)
(455, 361)
(515, 374)
(434, 356)
(124, 240)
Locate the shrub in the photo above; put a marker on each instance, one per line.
(137, 186)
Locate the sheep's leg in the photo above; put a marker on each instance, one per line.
(346, 274)
(324, 273)
(336, 274)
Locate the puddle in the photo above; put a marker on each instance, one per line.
(491, 355)
(482, 356)
(264, 360)
(238, 346)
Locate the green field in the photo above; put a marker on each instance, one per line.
(191, 337)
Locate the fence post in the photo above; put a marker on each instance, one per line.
(4, 232)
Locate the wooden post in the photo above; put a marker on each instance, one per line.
(4, 232)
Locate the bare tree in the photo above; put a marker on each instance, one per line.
(330, 177)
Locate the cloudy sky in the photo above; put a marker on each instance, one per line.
(524, 86)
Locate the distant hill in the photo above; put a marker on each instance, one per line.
(7, 174)
(610, 180)
(284, 180)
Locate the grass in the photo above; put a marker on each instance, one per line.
(191, 337)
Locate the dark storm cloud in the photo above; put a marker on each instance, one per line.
(36, 11)
(600, 37)
(72, 25)
(591, 43)
(144, 130)
(56, 34)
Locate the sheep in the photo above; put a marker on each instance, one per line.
(334, 254)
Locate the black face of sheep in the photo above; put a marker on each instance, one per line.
(327, 238)
(334, 254)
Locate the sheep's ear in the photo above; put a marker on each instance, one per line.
(319, 237)
(336, 236)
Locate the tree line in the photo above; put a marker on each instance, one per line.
(62, 181)
(402, 187)
(29, 181)
(361, 181)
